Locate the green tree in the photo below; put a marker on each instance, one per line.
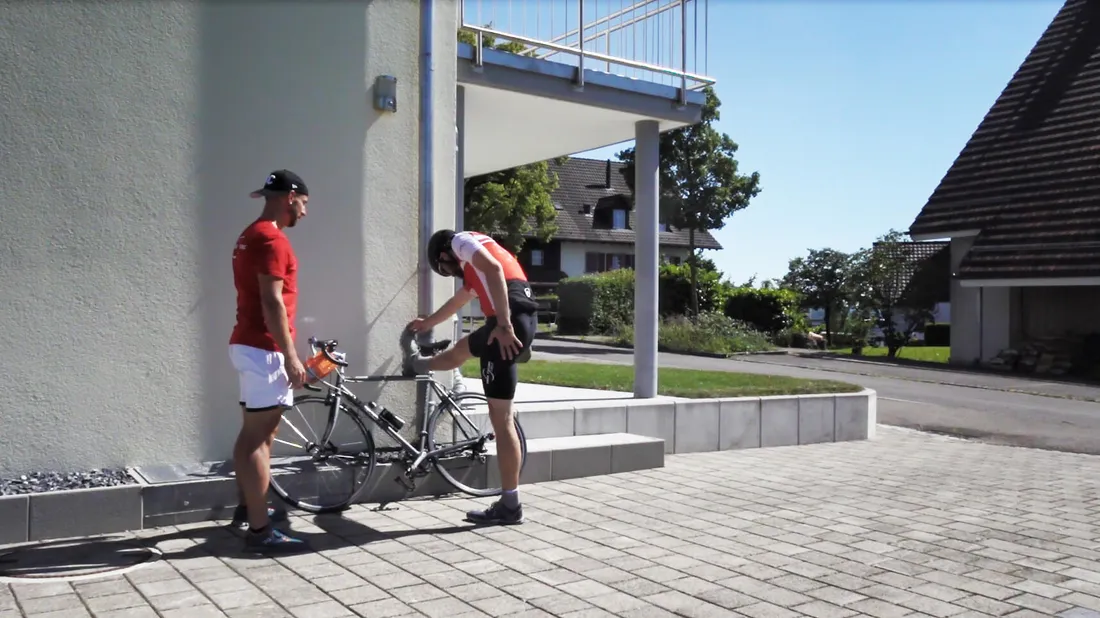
(511, 204)
(700, 186)
(881, 286)
(489, 42)
(820, 278)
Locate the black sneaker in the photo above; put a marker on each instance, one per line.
(240, 516)
(272, 539)
(497, 513)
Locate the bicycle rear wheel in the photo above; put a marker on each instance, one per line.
(466, 470)
(321, 478)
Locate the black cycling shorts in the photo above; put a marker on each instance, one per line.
(499, 376)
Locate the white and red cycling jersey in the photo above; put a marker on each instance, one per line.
(465, 245)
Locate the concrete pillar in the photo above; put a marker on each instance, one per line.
(646, 190)
(995, 320)
(965, 310)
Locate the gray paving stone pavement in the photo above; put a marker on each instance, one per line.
(908, 524)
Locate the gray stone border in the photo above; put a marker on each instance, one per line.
(212, 495)
(703, 425)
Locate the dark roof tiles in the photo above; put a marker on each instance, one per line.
(1030, 173)
(584, 181)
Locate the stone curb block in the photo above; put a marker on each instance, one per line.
(705, 425)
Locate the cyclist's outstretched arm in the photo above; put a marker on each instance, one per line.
(451, 307)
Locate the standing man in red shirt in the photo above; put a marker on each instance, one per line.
(265, 273)
(492, 274)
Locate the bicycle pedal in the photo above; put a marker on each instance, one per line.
(407, 484)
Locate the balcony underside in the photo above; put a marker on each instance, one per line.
(520, 110)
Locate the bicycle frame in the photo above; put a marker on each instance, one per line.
(340, 393)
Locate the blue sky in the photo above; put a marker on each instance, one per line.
(851, 111)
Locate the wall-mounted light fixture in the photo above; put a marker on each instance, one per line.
(385, 93)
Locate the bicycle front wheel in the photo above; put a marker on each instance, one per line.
(466, 469)
(321, 478)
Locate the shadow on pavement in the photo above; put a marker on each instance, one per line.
(117, 554)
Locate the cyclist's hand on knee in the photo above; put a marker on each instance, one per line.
(505, 337)
(295, 372)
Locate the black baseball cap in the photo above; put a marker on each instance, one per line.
(282, 181)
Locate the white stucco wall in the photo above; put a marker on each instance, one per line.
(965, 310)
(132, 134)
(573, 261)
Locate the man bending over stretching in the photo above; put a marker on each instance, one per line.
(495, 276)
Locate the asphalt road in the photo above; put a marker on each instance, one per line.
(987, 408)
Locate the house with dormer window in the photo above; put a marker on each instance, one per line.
(596, 223)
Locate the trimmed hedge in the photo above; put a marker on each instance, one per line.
(602, 303)
(674, 290)
(766, 310)
(937, 334)
(596, 303)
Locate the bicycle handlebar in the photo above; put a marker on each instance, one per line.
(326, 347)
(407, 342)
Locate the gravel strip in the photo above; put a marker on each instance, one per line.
(41, 482)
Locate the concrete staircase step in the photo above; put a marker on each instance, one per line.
(570, 457)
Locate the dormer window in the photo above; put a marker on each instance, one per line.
(618, 219)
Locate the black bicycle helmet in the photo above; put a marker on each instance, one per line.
(440, 242)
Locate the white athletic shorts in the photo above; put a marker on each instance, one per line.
(264, 382)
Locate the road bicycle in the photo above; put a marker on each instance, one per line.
(451, 441)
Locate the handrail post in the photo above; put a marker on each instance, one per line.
(580, 31)
(479, 55)
(683, 53)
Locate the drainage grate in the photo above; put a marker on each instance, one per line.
(73, 560)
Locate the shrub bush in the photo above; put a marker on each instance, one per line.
(791, 338)
(675, 290)
(712, 333)
(766, 310)
(596, 303)
(574, 305)
(937, 334)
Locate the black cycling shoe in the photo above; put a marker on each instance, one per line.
(498, 514)
(412, 364)
(415, 365)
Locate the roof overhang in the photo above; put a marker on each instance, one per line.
(1030, 282)
(521, 110)
(944, 235)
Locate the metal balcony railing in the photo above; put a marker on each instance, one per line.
(662, 41)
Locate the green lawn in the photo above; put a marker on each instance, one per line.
(929, 354)
(671, 382)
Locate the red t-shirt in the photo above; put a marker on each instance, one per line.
(262, 248)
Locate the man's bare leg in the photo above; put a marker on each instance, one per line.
(240, 515)
(507, 441)
(252, 461)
